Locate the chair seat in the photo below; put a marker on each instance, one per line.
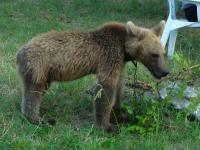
(173, 24)
(180, 23)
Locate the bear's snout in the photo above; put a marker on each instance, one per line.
(160, 74)
(157, 72)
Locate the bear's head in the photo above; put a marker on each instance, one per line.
(144, 45)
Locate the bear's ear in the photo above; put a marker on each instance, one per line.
(158, 29)
(132, 29)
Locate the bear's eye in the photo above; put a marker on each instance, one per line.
(154, 55)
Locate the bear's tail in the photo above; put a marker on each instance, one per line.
(19, 56)
(21, 61)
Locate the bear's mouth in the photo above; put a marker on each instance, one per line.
(159, 74)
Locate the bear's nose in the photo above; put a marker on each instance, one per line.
(165, 73)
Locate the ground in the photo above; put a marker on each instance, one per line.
(68, 102)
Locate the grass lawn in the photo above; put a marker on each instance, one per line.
(20, 20)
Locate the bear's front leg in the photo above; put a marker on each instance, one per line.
(116, 110)
(119, 94)
(103, 106)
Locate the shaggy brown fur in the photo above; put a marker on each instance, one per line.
(65, 56)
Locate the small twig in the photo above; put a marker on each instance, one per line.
(169, 126)
(195, 66)
(192, 81)
(140, 85)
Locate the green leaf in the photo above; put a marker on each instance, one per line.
(136, 128)
(197, 70)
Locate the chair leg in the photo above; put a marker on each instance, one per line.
(198, 12)
(166, 32)
(172, 41)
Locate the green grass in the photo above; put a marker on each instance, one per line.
(68, 102)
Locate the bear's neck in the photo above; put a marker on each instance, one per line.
(113, 31)
(127, 57)
(114, 35)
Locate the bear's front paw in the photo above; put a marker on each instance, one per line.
(112, 129)
(33, 119)
(51, 121)
(38, 120)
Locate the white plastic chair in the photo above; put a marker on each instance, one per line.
(173, 24)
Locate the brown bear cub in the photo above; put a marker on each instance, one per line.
(65, 56)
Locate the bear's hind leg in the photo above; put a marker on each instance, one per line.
(31, 101)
